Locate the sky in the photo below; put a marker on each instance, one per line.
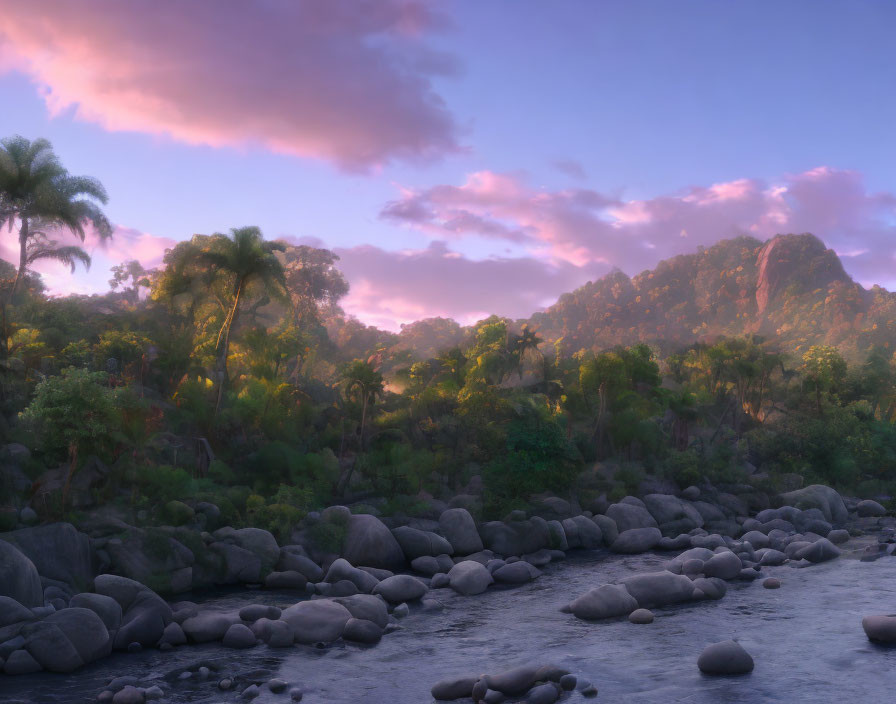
(465, 158)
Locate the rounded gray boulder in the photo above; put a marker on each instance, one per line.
(725, 658)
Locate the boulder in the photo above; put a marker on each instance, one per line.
(173, 635)
(605, 601)
(608, 528)
(636, 540)
(629, 515)
(469, 578)
(253, 612)
(362, 631)
(589, 533)
(641, 616)
(290, 561)
(144, 613)
(419, 543)
(822, 497)
(671, 511)
(20, 662)
(320, 621)
(11, 611)
(366, 607)
(238, 636)
(546, 693)
(240, 565)
(401, 587)
(558, 536)
(726, 658)
(881, 628)
(454, 688)
(286, 580)
(105, 607)
(819, 551)
(756, 538)
(459, 528)
(19, 579)
(515, 681)
(869, 508)
(426, 565)
(772, 558)
(342, 570)
(67, 640)
(516, 537)
(207, 626)
(516, 573)
(369, 542)
(711, 587)
(652, 589)
(59, 552)
(725, 565)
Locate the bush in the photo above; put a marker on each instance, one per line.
(177, 513)
(683, 468)
(630, 476)
(328, 536)
(163, 483)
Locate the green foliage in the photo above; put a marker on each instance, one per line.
(164, 483)
(177, 513)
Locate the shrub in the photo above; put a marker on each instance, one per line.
(177, 513)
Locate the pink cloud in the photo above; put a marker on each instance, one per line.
(339, 80)
(390, 288)
(585, 227)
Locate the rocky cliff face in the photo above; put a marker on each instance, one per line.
(791, 288)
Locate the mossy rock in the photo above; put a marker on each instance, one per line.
(177, 513)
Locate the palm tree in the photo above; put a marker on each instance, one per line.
(364, 383)
(39, 194)
(246, 263)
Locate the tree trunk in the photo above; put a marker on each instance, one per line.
(225, 351)
(23, 258)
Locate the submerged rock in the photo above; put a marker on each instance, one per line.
(725, 658)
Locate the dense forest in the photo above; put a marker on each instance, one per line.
(230, 374)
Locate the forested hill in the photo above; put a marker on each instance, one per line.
(790, 289)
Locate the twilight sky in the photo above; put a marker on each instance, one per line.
(465, 158)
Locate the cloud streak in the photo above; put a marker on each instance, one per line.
(344, 81)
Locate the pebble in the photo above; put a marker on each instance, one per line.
(641, 616)
(771, 583)
(251, 692)
(225, 684)
(401, 610)
(134, 647)
(277, 685)
(295, 694)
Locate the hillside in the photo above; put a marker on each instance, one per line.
(790, 288)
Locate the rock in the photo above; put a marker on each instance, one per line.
(401, 587)
(821, 497)
(543, 694)
(277, 685)
(366, 607)
(641, 616)
(869, 508)
(726, 658)
(606, 601)
(628, 516)
(516, 537)
(401, 611)
(238, 636)
(493, 696)
(880, 628)
(668, 510)
(369, 542)
(19, 579)
(711, 587)
(771, 583)
(426, 565)
(469, 578)
(59, 552)
(515, 681)
(279, 635)
(295, 694)
(293, 562)
(838, 537)
(152, 693)
(253, 612)
(362, 631)
(251, 692)
(11, 611)
(636, 540)
(418, 543)
(454, 687)
(757, 539)
(725, 565)
(439, 581)
(558, 536)
(144, 613)
(341, 569)
(286, 580)
(128, 695)
(568, 682)
(320, 621)
(654, 589)
(20, 662)
(819, 551)
(772, 558)
(173, 634)
(207, 626)
(240, 565)
(692, 493)
(608, 528)
(459, 528)
(28, 516)
(516, 573)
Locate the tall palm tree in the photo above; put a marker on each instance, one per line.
(365, 383)
(247, 264)
(39, 194)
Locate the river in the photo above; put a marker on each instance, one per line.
(806, 639)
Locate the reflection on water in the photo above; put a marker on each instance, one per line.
(805, 637)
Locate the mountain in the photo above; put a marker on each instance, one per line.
(791, 289)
